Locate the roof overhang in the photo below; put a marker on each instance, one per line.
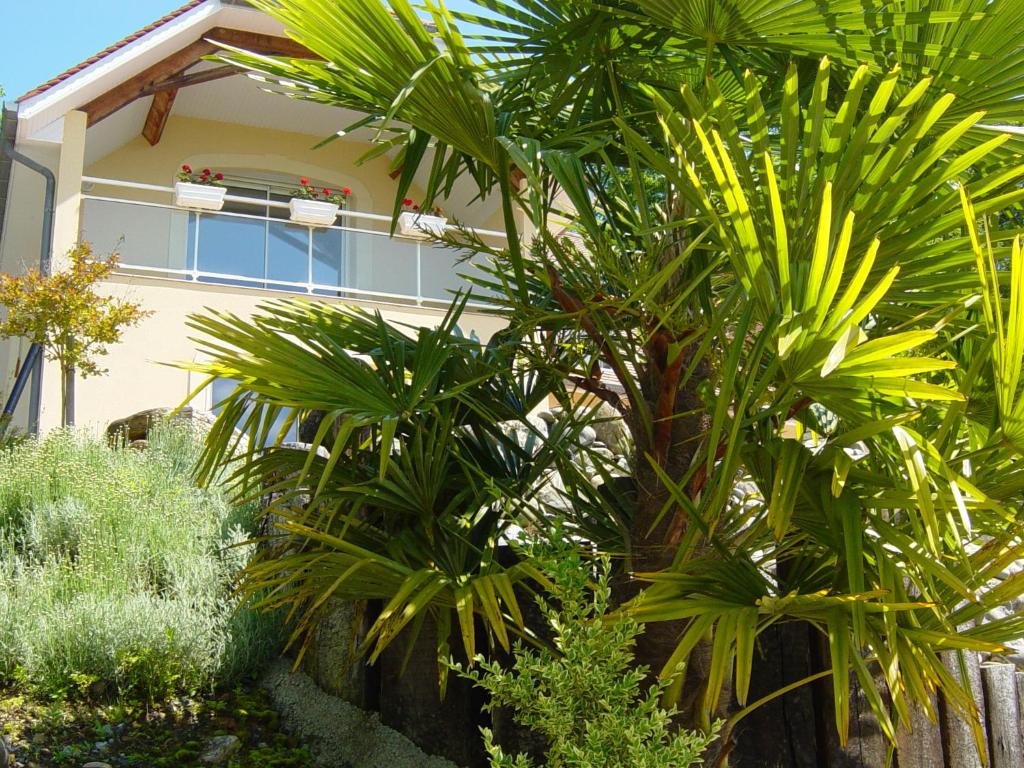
(41, 111)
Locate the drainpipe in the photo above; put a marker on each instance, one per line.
(35, 353)
(34, 359)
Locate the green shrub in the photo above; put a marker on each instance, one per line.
(587, 697)
(10, 437)
(116, 570)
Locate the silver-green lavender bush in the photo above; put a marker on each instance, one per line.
(116, 570)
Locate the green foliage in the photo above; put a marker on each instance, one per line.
(417, 477)
(115, 571)
(837, 274)
(63, 313)
(135, 734)
(586, 697)
(768, 251)
(9, 436)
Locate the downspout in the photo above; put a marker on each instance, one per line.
(34, 359)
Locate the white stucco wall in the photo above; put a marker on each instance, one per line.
(139, 376)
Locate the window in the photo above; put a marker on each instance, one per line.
(222, 388)
(257, 242)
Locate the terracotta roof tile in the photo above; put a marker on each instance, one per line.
(107, 51)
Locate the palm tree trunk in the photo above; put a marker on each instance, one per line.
(658, 526)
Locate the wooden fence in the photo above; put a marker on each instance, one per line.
(797, 730)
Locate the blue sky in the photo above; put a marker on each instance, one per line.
(40, 41)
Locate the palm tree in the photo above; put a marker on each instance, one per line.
(771, 255)
(418, 476)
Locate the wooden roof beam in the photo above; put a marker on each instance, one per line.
(159, 111)
(163, 74)
(194, 78)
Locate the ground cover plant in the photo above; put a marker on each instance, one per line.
(116, 571)
(168, 734)
(769, 210)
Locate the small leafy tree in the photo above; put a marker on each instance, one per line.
(64, 314)
(587, 697)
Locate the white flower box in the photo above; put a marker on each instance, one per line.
(205, 197)
(318, 213)
(415, 224)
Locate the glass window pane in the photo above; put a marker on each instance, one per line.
(287, 254)
(232, 245)
(328, 259)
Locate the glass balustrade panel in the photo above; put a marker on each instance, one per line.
(232, 245)
(376, 263)
(273, 253)
(445, 271)
(143, 236)
(329, 261)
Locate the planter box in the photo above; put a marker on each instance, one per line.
(414, 224)
(202, 196)
(318, 213)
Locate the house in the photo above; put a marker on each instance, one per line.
(116, 129)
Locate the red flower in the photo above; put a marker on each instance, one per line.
(327, 192)
(219, 177)
(415, 207)
(346, 191)
(206, 171)
(304, 181)
(407, 202)
(186, 168)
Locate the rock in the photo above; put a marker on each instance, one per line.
(539, 424)
(96, 764)
(529, 436)
(321, 451)
(547, 417)
(136, 428)
(331, 658)
(611, 429)
(587, 436)
(551, 494)
(336, 732)
(219, 750)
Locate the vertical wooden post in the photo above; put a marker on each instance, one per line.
(1005, 742)
(958, 739)
(920, 744)
(782, 733)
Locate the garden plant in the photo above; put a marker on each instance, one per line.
(64, 314)
(116, 572)
(585, 696)
(777, 237)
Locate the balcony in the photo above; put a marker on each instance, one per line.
(252, 244)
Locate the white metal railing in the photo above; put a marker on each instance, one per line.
(260, 250)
